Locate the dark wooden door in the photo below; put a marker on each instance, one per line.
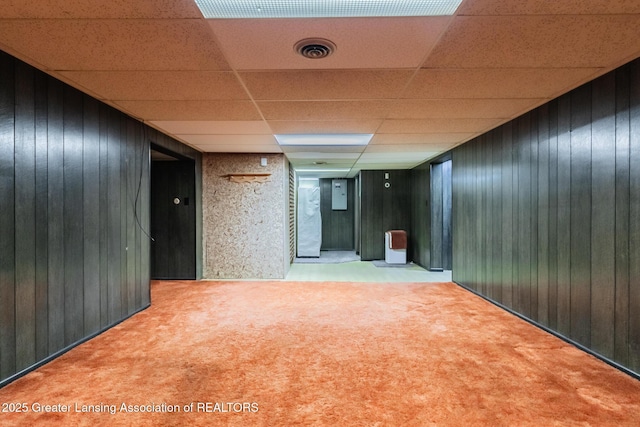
(173, 220)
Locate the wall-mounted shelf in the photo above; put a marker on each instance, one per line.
(247, 177)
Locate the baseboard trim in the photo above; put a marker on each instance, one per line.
(587, 350)
(59, 353)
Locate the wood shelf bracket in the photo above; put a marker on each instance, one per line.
(247, 177)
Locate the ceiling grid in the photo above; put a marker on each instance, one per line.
(420, 84)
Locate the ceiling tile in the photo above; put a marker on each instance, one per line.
(322, 149)
(497, 83)
(391, 165)
(343, 126)
(191, 110)
(421, 138)
(124, 9)
(388, 157)
(215, 127)
(323, 110)
(228, 139)
(268, 44)
(537, 41)
(159, 85)
(409, 148)
(125, 44)
(326, 85)
(437, 125)
(232, 148)
(323, 156)
(461, 108)
(546, 7)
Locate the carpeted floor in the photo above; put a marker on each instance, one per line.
(336, 354)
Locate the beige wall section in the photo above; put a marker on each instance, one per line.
(244, 230)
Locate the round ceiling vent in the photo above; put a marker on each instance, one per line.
(315, 48)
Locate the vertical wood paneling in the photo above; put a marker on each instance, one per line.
(437, 223)
(124, 216)
(396, 212)
(41, 229)
(7, 218)
(564, 216)
(484, 283)
(495, 238)
(542, 256)
(553, 216)
(173, 255)
(421, 215)
(568, 215)
(113, 214)
(508, 226)
(103, 207)
(533, 217)
(73, 260)
(524, 208)
(56, 215)
(383, 209)
(337, 226)
(73, 217)
(621, 344)
(581, 215)
(91, 214)
(25, 201)
(371, 215)
(145, 219)
(603, 204)
(132, 227)
(634, 217)
(447, 235)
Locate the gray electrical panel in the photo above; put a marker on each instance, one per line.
(339, 194)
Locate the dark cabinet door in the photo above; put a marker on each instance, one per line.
(173, 220)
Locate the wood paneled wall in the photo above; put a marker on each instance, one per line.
(74, 198)
(337, 226)
(421, 214)
(440, 203)
(384, 209)
(547, 215)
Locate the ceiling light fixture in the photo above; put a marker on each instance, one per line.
(324, 139)
(233, 9)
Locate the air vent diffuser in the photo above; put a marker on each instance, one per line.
(315, 48)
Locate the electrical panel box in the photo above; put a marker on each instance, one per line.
(339, 194)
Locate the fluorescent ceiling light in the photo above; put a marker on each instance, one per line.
(325, 139)
(229, 9)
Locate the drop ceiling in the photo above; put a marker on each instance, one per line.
(421, 85)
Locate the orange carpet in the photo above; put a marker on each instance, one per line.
(337, 354)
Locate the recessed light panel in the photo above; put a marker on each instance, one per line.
(230, 9)
(324, 139)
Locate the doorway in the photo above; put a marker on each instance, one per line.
(173, 216)
(441, 217)
(332, 232)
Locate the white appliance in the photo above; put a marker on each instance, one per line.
(396, 255)
(309, 219)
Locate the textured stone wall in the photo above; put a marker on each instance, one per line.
(244, 228)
